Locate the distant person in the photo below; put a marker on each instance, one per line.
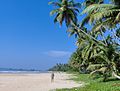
(52, 77)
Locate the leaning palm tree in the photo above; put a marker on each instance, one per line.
(67, 11)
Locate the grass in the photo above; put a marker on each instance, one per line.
(94, 84)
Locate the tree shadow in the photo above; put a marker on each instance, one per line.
(113, 79)
(109, 80)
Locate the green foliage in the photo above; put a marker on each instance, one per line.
(103, 17)
(60, 67)
(101, 44)
(93, 67)
(76, 60)
(66, 11)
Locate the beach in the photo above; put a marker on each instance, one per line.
(35, 82)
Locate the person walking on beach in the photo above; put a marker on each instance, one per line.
(52, 77)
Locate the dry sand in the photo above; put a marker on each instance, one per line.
(35, 82)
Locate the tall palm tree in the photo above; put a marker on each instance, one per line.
(67, 11)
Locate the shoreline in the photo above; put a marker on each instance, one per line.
(35, 82)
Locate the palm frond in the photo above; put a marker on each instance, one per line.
(60, 18)
(93, 67)
(117, 18)
(55, 19)
(54, 11)
(104, 24)
(85, 20)
(73, 4)
(97, 7)
(99, 71)
(103, 14)
(55, 3)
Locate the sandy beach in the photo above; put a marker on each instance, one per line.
(35, 82)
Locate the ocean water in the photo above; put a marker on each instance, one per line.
(23, 72)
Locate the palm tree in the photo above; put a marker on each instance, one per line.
(88, 50)
(91, 49)
(103, 17)
(109, 57)
(98, 58)
(67, 11)
(76, 60)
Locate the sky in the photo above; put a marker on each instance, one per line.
(28, 37)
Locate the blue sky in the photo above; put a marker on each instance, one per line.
(29, 38)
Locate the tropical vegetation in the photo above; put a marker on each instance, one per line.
(61, 67)
(97, 35)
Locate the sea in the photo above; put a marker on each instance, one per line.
(13, 71)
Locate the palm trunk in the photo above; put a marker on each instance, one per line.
(115, 75)
(87, 35)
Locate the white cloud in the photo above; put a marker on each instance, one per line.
(54, 53)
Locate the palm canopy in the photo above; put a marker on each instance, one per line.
(101, 13)
(90, 2)
(66, 11)
(102, 16)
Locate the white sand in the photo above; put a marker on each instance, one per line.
(35, 82)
